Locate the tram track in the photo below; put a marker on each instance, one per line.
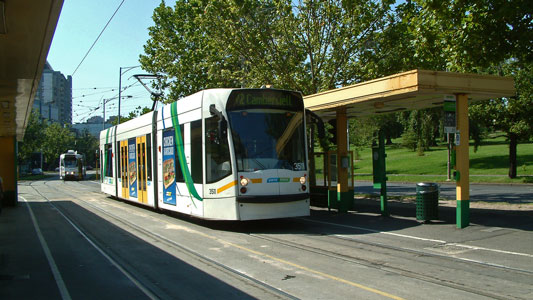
(363, 245)
(381, 266)
(423, 253)
(152, 291)
(148, 290)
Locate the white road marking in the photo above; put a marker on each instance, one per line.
(61, 283)
(423, 239)
(55, 271)
(111, 260)
(377, 231)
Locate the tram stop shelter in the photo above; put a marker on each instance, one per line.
(26, 31)
(416, 89)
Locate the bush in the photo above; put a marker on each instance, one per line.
(410, 140)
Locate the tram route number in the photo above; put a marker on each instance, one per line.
(299, 166)
(212, 191)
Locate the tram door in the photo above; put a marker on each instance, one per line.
(141, 169)
(124, 168)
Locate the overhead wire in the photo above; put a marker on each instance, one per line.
(95, 88)
(97, 38)
(95, 93)
(94, 109)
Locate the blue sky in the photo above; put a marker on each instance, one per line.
(120, 45)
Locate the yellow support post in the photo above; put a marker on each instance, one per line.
(344, 196)
(462, 162)
(8, 169)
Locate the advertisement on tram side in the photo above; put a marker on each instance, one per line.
(132, 167)
(169, 167)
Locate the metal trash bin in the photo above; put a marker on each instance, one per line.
(427, 201)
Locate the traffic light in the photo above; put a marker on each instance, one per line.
(333, 131)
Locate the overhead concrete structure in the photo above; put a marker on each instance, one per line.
(416, 89)
(24, 45)
(26, 31)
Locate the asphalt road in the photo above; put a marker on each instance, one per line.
(107, 249)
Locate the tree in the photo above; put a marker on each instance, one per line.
(312, 46)
(361, 133)
(514, 115)
(478, 34)
(492, 37)
(405, 42)
(57, 140)
(33, 137)
(87, 144)
(421, 128)
(308, 46)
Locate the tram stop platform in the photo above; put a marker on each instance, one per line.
(22, 263)
(26, 271)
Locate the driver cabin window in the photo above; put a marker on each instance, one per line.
(217, 155)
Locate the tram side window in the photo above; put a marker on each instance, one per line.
(196, 151)
(217, 156)
(109, 160)
(179, 173)
(149, 156)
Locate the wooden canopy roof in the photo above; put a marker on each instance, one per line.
(415, 89)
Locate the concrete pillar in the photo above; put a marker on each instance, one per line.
(462, 163)
(8, 169)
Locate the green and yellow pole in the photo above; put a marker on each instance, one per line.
(383, 171)
(344, 197)
(462, 163)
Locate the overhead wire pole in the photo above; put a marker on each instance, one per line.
(120, 86)
(103, 106)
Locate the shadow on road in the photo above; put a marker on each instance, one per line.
(163, 273)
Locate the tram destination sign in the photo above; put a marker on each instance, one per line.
(262, 99)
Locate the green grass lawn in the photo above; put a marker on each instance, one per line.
(489, 164)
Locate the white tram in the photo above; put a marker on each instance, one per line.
(225, 154)
(71, 165)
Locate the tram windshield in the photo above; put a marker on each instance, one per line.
(70, 162)
(267, 129)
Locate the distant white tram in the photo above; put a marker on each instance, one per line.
(71, 165)
(225, 154)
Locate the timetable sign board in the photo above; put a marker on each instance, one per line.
(449, 114)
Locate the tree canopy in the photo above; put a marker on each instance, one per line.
(53, 139)
(307, 46)
(312, 46)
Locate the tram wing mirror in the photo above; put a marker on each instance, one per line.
(222, 123)
(222, 128)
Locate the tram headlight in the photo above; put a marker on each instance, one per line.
(244, 181)
(303, 180)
